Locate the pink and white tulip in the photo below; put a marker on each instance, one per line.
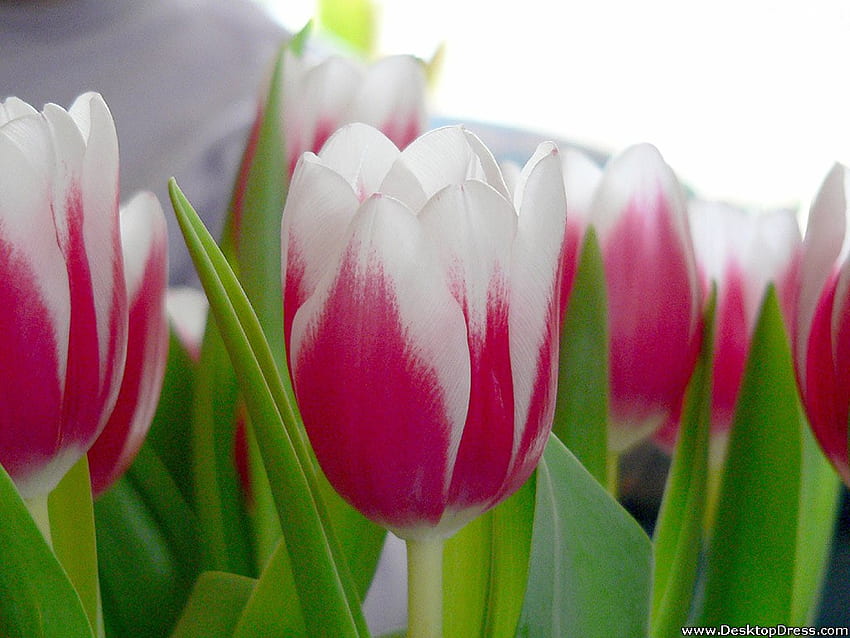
(654, 295)
(318, 98)
(145, 249)
(63, 305)
(741, 252)
(822, 330)
(421, 305)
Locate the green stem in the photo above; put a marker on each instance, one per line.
(37, 506)
(613, 474)
(425, 588)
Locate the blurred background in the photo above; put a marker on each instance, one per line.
(747, 100)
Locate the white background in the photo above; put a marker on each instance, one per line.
(749, 101)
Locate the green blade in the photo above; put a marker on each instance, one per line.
(678, 531)
(328, 597)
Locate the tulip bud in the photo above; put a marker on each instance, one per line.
(421, 304)
(822, 326)
(741, 253)
(63, 305)
(145, 249)
(654, 294)
(320, 98)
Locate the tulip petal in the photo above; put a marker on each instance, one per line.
(449, 155)
(381, 371)
(144, 238)
(825, 242)
(536, 306)
(398, 113)
(827, 415)
(86, 220)
(314, 101)
(12, 108)
(315, 221)
(473, 227)
(639, 211)
(362, 155)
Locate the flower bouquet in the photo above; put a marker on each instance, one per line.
(406, 337)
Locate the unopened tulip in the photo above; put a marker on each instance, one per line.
(63, 306)
(822, 329)
(421, 306)
(741, 253)
(320, 98)
(654, 293)
(144, 240)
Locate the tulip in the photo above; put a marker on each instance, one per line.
(144, 239)
(421, 307)
(741, 253)
(654, 296)
(822, 327)
(320, 98)
(63, 306)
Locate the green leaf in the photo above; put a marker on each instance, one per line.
(591, 563)
(750, 571)
(214, 606)
(273, 611)
(820, 488)
(485, 570)
(328, 597)
(74, 540)
(678, 531)
(361, 540)
(581, 409)
(218, 498)
(36, 598)
(251, 241)
(148, 550)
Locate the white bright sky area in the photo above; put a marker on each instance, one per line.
(749, 101)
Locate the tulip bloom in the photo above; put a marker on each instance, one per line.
(741, 253)
(421, 307)
(320, 98)
(822, 330)
(145, 249)
(63, 306)
(654, 294)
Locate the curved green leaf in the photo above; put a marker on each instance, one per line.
(36, 598)
(327, 593)
(678, 532)
(591, 563)
(750, 571)
(581, 409)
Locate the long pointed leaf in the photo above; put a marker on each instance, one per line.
(750, 571)
(581, 410)
(678, 532)
(327, 594)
